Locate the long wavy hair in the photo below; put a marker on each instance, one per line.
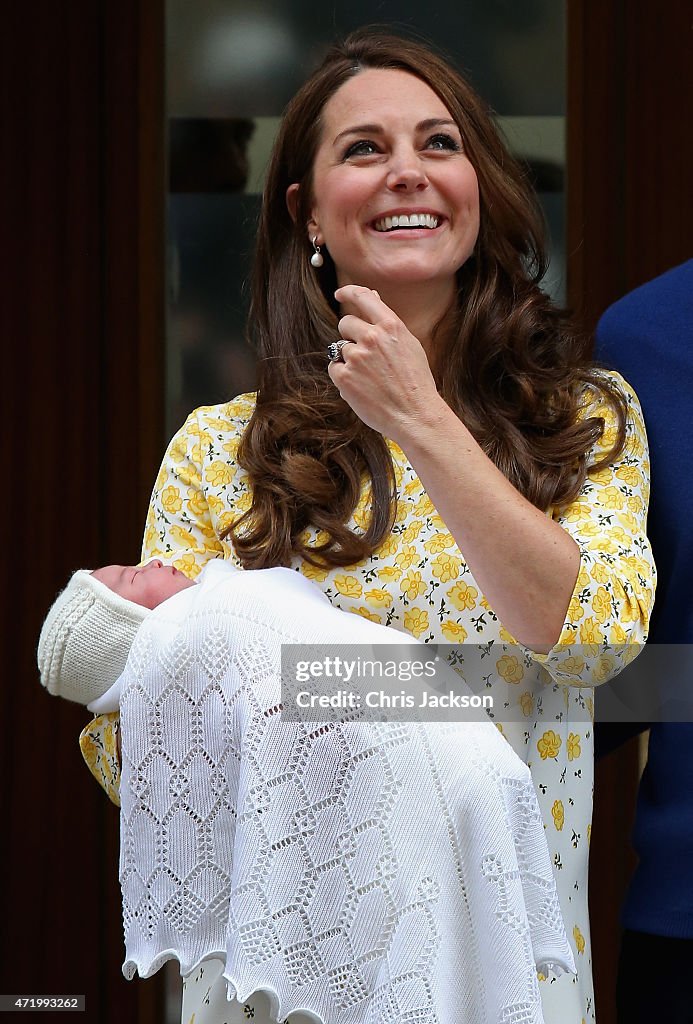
(514, 367)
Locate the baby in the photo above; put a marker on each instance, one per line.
(232, 817)
(89, 629)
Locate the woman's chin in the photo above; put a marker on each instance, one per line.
(400, 272)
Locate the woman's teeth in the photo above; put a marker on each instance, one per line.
(407, 220)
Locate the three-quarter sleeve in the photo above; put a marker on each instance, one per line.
(607, 619)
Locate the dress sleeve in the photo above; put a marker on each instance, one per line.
(179, 526)
(608, 615)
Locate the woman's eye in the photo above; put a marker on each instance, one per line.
(443, 142)
(362, 148)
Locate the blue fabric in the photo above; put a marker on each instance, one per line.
(648, 337)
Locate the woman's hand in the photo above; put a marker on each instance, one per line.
(385, 376)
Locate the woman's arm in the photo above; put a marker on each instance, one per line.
(529, 566)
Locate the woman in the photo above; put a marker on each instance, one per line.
(461, 471)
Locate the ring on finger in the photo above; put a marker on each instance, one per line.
(334, 349)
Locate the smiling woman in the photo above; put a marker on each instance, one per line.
(456, 471)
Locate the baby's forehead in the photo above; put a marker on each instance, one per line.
(113, 576)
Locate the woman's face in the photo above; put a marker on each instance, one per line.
(390, 148)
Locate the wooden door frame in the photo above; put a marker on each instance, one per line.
(83, 315)
(629, 154)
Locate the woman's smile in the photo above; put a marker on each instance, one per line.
(407, 219)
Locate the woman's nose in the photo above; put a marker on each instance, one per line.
(407, 174)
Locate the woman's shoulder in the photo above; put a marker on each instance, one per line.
(616, 398)
(615, 379)
(596, 399)
(228, 417)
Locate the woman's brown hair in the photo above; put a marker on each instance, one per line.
(514, 368)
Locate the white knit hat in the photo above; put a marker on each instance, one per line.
(86, 639)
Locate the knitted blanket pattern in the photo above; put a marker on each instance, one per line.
(361, 872)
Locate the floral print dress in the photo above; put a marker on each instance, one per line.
(418, 582)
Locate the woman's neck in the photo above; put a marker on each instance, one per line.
(421, 308)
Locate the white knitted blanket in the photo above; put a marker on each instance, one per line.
(364, 873)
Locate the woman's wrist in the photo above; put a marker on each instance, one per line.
(424, 426)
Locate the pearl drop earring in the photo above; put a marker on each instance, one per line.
(316, 259)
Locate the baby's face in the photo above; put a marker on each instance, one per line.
(147, 585)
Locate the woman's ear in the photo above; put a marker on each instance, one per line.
(292, 200)
(312, 228)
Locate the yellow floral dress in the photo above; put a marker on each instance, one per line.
(418, 581)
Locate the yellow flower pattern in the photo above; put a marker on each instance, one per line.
(603, 668)
(412, 532)
(171, 500)
(418, 581)
(439, 542)
(219, 473)
(446, 567)
(510, 668)
(590, 634)
(188, 565)
(197, 504)
(453, 631)
(549, 744)
(416, 622)
(389, 572)
(601, 604)
(463, 596)
(526, 703)
(412, 585)
(406, 557)
(97, 742)
(349, 586)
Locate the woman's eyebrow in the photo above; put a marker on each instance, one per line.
(377, 129)
(436, 122)
(360, 129)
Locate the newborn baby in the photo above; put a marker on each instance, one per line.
(89, 629)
